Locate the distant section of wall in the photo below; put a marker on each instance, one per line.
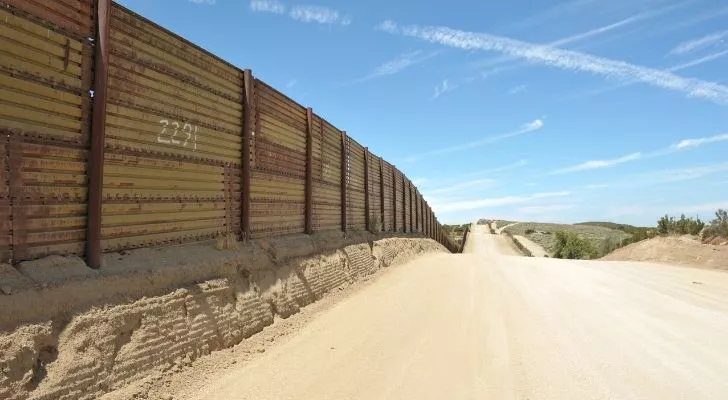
(117, 134)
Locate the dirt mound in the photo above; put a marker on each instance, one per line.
(681, 250)
(81, 334)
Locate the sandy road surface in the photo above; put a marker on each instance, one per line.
(487, 326)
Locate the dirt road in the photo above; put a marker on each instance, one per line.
(483, 325)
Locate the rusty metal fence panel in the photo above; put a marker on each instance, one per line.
(45, 78)
(356, 213)
(172, 165)
(326, 176)
(279, 167)
(375, 190)
(388, 197)
(177, 123)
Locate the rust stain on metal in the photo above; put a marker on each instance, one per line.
(309, 171)
(248, 112)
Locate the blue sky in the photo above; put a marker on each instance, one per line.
(566, 110)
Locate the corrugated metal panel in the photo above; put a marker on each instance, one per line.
(375, 189)
(326, 176)
(388, 199)
(173, 139)
(355, 210)
(45, 77)
(279, 172)
(74, 18)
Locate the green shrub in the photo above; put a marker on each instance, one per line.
(717, 227)
(571, 246)
(683, 226)
(530, 231)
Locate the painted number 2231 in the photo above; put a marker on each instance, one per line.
(172, 134)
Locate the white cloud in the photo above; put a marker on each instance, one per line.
(303, 13)
(568, 60)
(269, 6)
(493, 202)
(597, 164)
(292, 83)
(518, 89)
(318, 14)
(690, 143)
(696, 44)
(387, 26)
(680, 146)
(443, 87)
(464, 186)
(398, 64)
(532, 126)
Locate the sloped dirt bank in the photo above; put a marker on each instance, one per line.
(75, 333)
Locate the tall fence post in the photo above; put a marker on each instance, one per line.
(381, 191)
(98, 134)
(344, 157)
(309, 172)
(411, 207)
(394, 199)
(404, 206)
(367, 209)
(248, 126)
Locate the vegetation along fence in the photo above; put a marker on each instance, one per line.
(118, 134)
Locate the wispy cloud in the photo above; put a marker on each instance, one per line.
(705, 41)
(303, 13)
(398, 64)
(494, 65)
(269, 6)
(679, 146)
(597, 164)
(291, 83)
(318, 14)
(494, 202)
(518, 89)
(532, 126)
(566, 59)
(461, 186)
(676, 68)
(689, 143)
(443, 87)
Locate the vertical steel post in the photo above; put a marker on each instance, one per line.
(309, 171)
(248, 126)
(394, 198)
(98, 134)
(381, 191)
(344, 157)
(367, 209)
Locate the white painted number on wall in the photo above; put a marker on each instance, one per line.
(189, 134)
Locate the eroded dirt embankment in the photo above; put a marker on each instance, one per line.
(68, 332)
